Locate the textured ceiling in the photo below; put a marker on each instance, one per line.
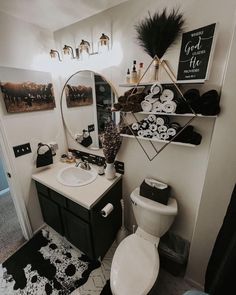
(55, 14)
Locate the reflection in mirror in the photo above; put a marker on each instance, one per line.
(86, 102)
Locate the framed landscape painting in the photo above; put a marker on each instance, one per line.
(79, 89)
(26, 90)
(79, 95)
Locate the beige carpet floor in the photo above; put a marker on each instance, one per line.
(11, 236)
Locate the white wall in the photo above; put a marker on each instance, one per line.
(183, 168)
(220, 177)
(27, 46)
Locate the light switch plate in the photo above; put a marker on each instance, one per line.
(22, 149)
(91, 128)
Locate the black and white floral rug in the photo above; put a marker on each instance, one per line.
(47, 264)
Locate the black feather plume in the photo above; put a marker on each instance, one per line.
(158, 32)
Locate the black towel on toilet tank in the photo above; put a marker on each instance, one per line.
(155, 190)
(44, 156)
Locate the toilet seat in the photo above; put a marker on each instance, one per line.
(135, 266)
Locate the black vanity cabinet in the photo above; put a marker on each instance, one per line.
(85, 228)
(51, 210)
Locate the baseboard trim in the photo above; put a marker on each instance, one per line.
(4, 191)
(37, 230)
(194, 284)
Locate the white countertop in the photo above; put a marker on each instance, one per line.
(86, 195)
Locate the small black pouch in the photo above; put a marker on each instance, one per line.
(45, 158)
(87, 139)
(155, 190)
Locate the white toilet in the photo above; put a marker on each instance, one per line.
(135, 265)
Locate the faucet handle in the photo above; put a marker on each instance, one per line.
(83, 164)
(86, 163)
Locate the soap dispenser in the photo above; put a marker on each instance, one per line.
(100, 167)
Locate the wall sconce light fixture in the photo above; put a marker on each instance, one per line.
(54, 53)
(103, 44)
(67, 50)
(84, 49)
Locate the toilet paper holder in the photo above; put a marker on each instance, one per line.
(106, 210)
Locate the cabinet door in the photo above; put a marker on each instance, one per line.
(77, 232)
(104, 230)
(51, 213)
(42, 189)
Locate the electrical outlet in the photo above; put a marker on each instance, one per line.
(91, 128)
(120, 167)
(22, 149)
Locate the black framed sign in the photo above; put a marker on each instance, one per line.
(196, 54)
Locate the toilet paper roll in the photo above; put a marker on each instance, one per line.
(169, 106)
(107, 210)
(166, 95)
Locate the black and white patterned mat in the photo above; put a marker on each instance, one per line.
(47, 264)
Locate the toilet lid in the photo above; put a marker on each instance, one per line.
(135, 266)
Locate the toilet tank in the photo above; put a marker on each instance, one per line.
(153, 217)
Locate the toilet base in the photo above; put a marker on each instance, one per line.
(153, 291)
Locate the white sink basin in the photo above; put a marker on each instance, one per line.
(76, 176)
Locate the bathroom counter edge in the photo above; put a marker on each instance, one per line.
(86, 195)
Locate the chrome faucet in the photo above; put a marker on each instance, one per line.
(83, 165)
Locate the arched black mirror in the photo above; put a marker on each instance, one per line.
(86, 102)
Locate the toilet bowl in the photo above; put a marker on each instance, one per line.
(135, 265)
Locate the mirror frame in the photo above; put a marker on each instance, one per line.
(66, 128)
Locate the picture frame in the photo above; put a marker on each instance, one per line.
(196, 54)
(78, 95)
(26, 90)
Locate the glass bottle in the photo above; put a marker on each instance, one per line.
(134, 74)
(140, 71)
(128, 76)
